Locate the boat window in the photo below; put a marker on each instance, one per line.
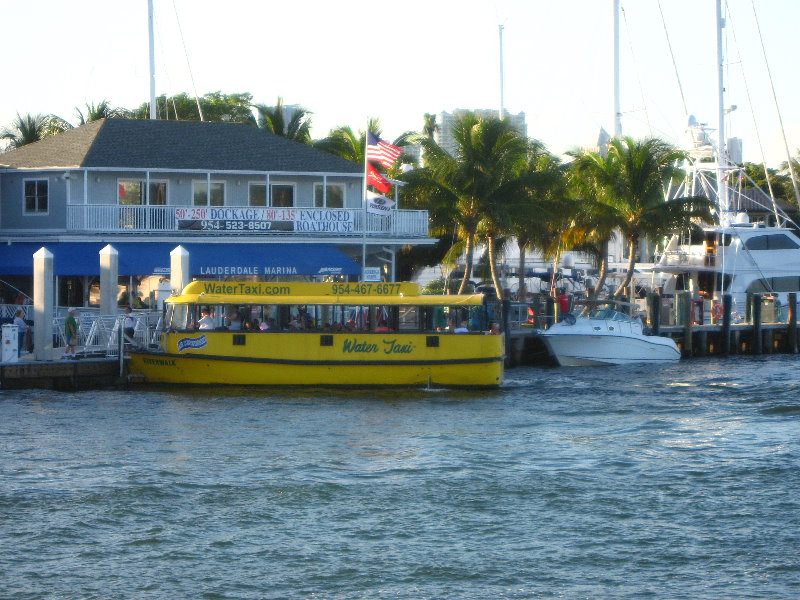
(775, 284)
(758, 242)
(180, 317)
(759, 286)
(781, 242)
(771, 242)
(409, 318)
(169, 312)
(707, 282)
(602, 313)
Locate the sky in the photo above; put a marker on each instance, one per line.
(353, 59)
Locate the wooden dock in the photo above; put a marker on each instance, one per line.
(64, 375)
(525, 347)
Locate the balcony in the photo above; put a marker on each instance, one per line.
(242, 220)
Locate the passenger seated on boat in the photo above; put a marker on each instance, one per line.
(494, 329)
(382, 328)
(252, 325)
(350, 325)
(338, 327)
(461, 328)
(269, 325)
(234, 321)
(205, 322)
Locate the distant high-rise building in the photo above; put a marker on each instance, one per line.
(445, 120)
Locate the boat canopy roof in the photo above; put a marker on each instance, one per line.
(379, 294)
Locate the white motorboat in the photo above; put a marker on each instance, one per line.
(604, 336)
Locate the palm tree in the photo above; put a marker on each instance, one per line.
(103, 110)
(273, 120)
(430, 126)
(346, 143)
(537, 206)
(628, 184)
(469, 189)
(29, 128)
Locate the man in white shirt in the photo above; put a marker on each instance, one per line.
(205, 322)
(462, 328)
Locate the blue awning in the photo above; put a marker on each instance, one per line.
(205, 260)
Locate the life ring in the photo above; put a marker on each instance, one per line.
(716, 311)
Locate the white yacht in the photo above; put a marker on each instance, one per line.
(736, 259)
(605, 336)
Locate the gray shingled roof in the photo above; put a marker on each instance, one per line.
(191, 145)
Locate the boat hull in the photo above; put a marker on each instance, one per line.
(315, 359)
(577, 349)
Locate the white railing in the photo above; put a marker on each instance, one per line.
(99, 334)
(676, 258)
(154, 219)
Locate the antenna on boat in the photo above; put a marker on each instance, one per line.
(777, 108)
(722, 161)
(152, 61)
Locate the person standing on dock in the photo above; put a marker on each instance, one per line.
(22, 330)
(129, 327)
(71, 332)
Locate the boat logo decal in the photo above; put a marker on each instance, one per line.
(388, 347)
(192, 343)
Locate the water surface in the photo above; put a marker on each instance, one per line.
(627, 482)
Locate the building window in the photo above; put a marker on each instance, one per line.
(257, 194)
(35, 196)
(130, 192)
(282, 195)
(200, 193)
(334, 196)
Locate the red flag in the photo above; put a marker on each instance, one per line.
(122, 193)
(376, 180)
(382, 152)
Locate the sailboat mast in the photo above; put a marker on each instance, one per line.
(152, 60)
(617, 110)
(722, 162)
(502, 100)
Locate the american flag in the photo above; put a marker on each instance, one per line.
(382, 152)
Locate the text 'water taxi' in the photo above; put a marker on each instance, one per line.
(340, 334)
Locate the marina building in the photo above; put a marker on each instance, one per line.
(242, 202)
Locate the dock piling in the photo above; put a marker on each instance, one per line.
(791, 345)
(727, 302)
(758, 345)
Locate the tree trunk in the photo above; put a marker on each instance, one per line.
(629, 275)
(468, 265)
(601, 279)
(493, 268)
(522, 292)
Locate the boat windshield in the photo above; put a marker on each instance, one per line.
(607, 313)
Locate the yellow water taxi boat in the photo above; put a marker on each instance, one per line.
(337, 334)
